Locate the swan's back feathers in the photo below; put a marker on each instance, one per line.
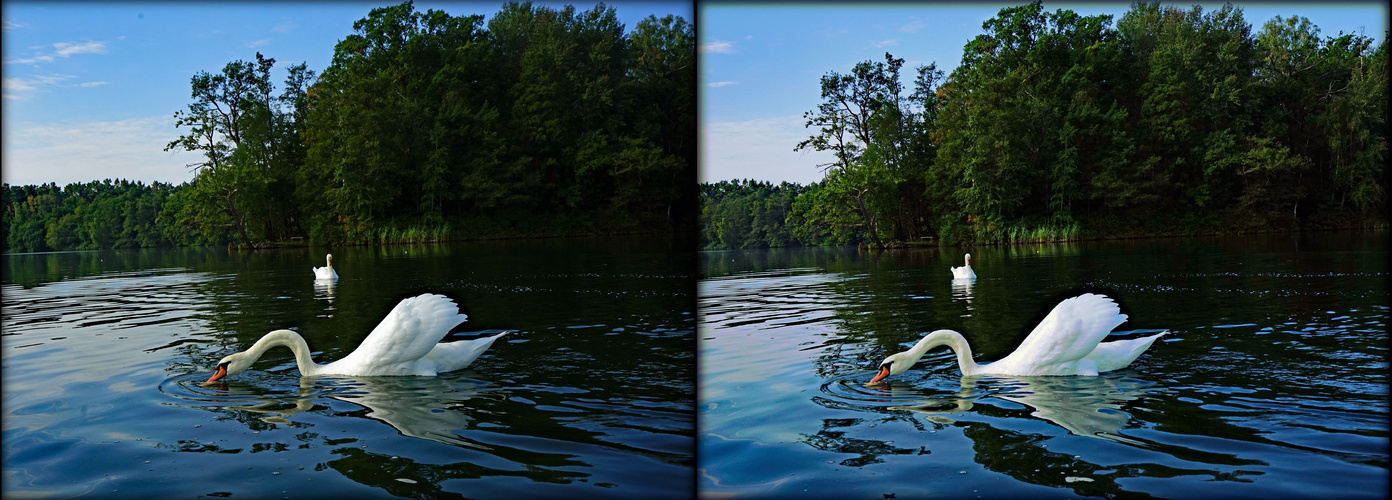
(409, 332)
(962, 273)
(1071, 331)
(325, 273)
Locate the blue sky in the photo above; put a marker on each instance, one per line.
(761, 64)
(90, 88)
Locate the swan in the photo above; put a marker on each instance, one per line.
(964, 272)
(407, 342)
(1067, 342)
(326, 272)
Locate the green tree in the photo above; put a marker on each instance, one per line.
(248, 150)
(1031, 112)
(868, 124)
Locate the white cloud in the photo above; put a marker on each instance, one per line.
(885, 43)
(720, 84)
(13, 85)
(62, 49)
(912, 27)
(759, 149)
(258, 43)
(16, 86)
(718, 47)
(65, 49)
(11, 25)
(93, 84)
(31, 60)
(81, 152)
(284, 27)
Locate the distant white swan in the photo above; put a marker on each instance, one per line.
(326, 272)
(964, 272)
(407, 342)
(1067, 342)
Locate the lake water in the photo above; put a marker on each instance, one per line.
(592, 396)
(1272, 381)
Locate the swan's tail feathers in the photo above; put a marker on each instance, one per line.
(1118, 354)
(457, 355)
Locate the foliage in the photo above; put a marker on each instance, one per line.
(424, 127)
(429, 117)
(85, 216)
(1057, 126)
(878, 137)
(749, 214)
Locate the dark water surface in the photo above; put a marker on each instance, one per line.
(593, 396)
(1272, 382)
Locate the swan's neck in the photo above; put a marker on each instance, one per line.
(952, 340)
(289, 339)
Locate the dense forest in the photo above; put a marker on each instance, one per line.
(1056, 126)
(425, 126)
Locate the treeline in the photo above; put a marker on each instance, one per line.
(748, 214)
(82, 216)
(427, 126)
(1059, 126)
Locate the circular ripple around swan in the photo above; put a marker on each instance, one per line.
(912, 390)
(258, 390)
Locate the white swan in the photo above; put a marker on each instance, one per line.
(407, 342)
(326, 272)
(964, 272)
(1067, 342)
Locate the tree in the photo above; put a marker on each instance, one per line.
(862, 114)
(1033, 110)
(246, 143)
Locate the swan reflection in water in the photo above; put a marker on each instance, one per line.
(962, 290)
(1085, 406)
(324, 290)
(430, 408)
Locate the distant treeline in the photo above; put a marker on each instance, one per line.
(1057, 126)
(425, 126)
(98, 214)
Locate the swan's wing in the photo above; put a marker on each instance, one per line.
(1071, 331)
(408, 332)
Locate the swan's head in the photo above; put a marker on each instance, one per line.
(894, 365)
(968, 259)
(901, 362)
(329, 258)
(232, 365)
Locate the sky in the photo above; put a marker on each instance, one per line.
(90, 88)
(761, 65)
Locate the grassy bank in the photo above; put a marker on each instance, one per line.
(1111, 227)
(507, 226)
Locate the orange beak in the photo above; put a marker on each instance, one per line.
(221, 371)
(884, 372)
